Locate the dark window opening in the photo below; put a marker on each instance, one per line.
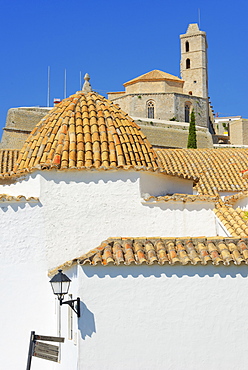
(187, 63)
(186, 112)
(187, 46)
(190, 92)
(150, 109)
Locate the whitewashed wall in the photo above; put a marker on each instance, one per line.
(75, 213)
(224, 194)
(26, 299)
(78, 210)
(158, 185)
(163, 317)
(221, 229)
(242, 203)
(108, 205)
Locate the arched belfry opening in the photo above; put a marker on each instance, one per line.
(186, 46)
(187, 63)
(150, 109)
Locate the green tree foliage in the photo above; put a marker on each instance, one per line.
(192, 143)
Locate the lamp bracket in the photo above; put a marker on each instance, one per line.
(74, 307)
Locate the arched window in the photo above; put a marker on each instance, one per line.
(150, 109)
(187, 63)
(187, 46)
(186, 112)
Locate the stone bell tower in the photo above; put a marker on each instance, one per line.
(194, 63)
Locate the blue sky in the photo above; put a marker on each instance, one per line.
(115, 41)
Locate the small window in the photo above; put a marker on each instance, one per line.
(188, 63)
(150, 109)
(187, 46)
(190, 92)
(186, 112)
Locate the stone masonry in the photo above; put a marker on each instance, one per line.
(19, 123)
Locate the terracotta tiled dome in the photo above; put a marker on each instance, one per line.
(86, 131)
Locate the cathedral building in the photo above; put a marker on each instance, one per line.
(160, 98)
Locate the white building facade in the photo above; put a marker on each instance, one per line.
(158, 294)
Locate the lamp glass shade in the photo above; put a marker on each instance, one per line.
(60, 284)
(60, 288)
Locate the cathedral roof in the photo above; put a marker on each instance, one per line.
(154, 75)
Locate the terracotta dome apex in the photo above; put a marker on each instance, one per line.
(86, 131)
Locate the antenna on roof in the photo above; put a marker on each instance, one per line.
(80, 79)
(65, 84)
(199, 17)
(48, 86)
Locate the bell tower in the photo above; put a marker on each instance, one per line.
(194, 63)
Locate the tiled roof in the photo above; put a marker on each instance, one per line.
(234, 220)
(127, 251)
(154, 75)
(245, 174)
(232, 199)
(8, 158)
(86, 131)
(176, 197)
(218, 169)
(17, 198)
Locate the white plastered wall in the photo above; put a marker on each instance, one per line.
(154, 184)
(242, 203)
(224, 194)
(76, 211)
(163, 317)
(27, 303)
(221, 229)
(82, 209)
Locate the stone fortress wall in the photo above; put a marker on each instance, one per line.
(173, 134)
(19, 123)
(170, 134)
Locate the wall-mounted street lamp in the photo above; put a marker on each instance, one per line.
(60, 285)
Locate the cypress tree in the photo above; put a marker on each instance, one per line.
(192, 143)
